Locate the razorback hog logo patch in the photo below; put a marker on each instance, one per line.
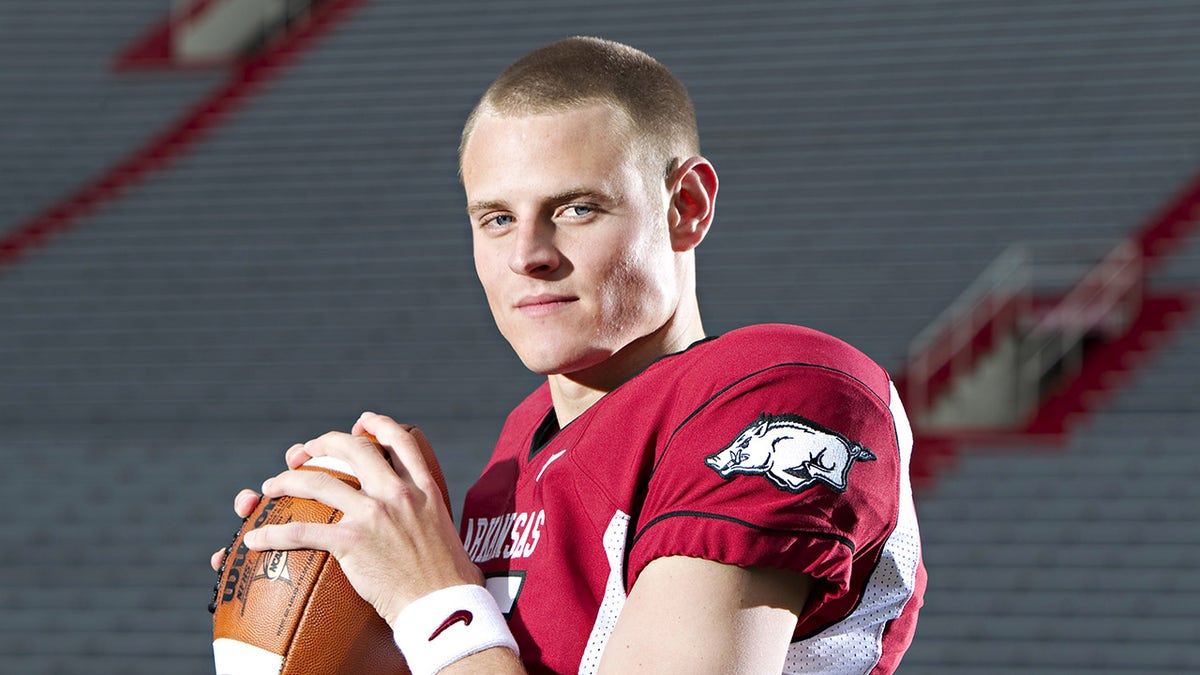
(791, 452)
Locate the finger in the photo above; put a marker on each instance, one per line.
(437, 479)
(292, 536)
(317, 485)
(218, 557)
(399, 438)
(363, 454)
(411, 455)
(296, 456)
(245, 502)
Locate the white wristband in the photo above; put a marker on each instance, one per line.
(450, 624)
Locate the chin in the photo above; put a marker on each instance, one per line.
(562, 362)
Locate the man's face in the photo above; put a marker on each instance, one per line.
(570, 236)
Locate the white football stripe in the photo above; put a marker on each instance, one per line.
(234, 657)
(333, 463)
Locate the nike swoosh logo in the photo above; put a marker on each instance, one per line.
(460, 616)
(545, 466)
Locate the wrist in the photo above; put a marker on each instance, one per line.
(448, 625)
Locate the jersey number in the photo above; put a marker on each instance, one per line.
(506, 588)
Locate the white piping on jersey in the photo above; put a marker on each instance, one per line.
(614, 593)
(545, 466)
(855, 644)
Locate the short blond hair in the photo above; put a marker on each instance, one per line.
(577, 71)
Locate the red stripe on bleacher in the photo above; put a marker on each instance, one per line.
(1107, 367)
(176, 139)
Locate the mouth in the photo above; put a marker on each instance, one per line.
(543, 304)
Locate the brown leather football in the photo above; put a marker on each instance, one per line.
(294, 612)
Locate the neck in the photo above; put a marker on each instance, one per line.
(574, 393)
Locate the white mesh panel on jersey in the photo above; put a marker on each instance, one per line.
(854, 645)
(614, 594)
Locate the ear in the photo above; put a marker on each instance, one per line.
(693, 189)
(763, 422)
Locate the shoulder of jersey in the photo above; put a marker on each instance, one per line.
(763, 345)
(758, 348)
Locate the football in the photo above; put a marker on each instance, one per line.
(292, 612)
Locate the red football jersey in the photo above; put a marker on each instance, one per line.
(771, 446)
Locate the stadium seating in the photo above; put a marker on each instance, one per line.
(309, 258)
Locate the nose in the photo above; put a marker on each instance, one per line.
(535, 253)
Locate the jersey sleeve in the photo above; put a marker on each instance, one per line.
(794, 467)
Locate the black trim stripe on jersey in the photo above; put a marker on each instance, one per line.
(821, 535)
(717, 516)
(720, 516)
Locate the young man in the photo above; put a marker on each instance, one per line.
(666, 502)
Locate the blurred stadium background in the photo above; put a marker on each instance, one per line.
(205, 259)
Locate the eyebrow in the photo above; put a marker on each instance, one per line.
(582, 193)
(557, 198)
(474, 207)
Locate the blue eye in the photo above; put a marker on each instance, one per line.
(500, 220)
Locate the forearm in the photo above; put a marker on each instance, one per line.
(682, 611)
(497, 661)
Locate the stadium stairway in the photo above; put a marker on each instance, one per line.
(1076, 559)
